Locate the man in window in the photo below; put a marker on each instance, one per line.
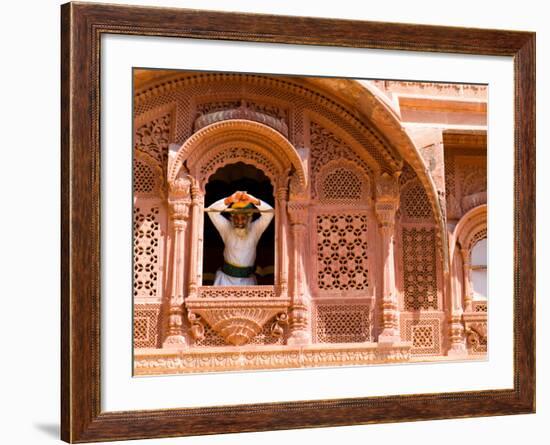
(240, 235)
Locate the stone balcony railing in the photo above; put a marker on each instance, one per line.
(236, 313)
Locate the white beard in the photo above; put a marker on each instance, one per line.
(241, 233)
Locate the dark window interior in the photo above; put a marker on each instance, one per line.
(224, 182)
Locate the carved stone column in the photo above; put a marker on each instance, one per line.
(178, 203)
(466, 266)
(197, 205)
(299, 320)
(282, 245)
(387, 203)
(456, 326)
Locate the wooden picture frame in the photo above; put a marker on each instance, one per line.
(82, 26)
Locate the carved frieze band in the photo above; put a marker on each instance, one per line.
(272, 357)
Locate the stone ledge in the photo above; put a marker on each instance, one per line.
(183, 361)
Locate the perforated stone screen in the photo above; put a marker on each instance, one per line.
(342, 252)
(414, 202)
(424, 334)
(145, 179)
(342, 323)
(146, 324)
(341, 185)
(146, 250)
(419, 268)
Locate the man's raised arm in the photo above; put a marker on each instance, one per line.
(265, 217)
(219, 221)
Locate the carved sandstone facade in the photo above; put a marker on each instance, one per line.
(379, 190)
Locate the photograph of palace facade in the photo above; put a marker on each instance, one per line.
(377, 249)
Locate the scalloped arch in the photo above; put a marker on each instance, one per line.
(238, 131)
(362, 177)
(468, 226)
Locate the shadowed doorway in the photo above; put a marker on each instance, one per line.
(223, 183)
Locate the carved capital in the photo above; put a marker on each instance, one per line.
(281, 193)
(387, 187)
(179, 211)
(197, 195)
(180, 188)
(297, 212)
(385, 213)
(296, 187)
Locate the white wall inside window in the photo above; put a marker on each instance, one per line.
(479, 269)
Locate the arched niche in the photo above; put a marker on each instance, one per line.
(230, 142)
(471, 228)
(472, 225)
(343, 182)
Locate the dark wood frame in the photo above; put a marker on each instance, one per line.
(81, 28)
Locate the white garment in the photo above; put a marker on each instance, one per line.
(222, 279)
(239, 250)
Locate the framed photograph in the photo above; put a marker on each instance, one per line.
(279, 222)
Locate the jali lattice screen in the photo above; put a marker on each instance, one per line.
(342, 323)
(342, 252)
(146, 250)
(419, 268)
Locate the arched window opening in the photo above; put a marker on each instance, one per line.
(478, 272)
(223, 183)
